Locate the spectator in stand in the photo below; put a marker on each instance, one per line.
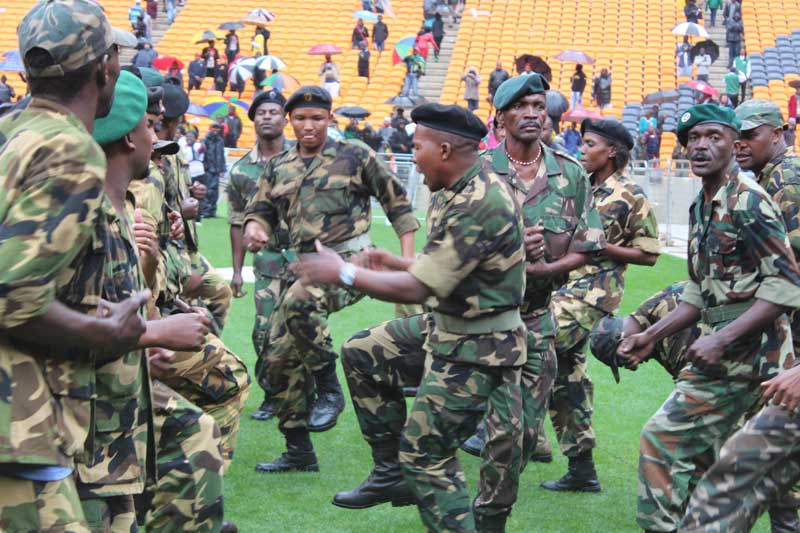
(399, 121)
(400, 141)
(713, 6)
(683, 53)
(732, 8)
(692, 12)
(194, 153)
(6, 90)
(577, 86)
(152, 9)
(793, 104)
(651, 144)
(134, 13)
(414, 71)
(175, 71)
(640, 150)
(329, 73)
(789, 132)
(145, 56)
(734, 29)
(472, 82)
(380, 32)
(647, 120)
(702, 61)
(437, 29)
(360, 33)
(572, 140)
(351, 131)
(210, 59)
(214, 169)
(170, 7)
(231, 46)
(371, 137)
(221, 76)
(496, 79)
(197, 71)
(363, 60)
(258, 78)
(259, 43)
(742, 64)
(140, 28)
(601, 89)
(424, 41)
(732, 86)
(237, 84)
(385, 132)
(233, 127)
(148, 26)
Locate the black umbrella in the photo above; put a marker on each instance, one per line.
(231, 26)
(711, 47)
(556, 103)
(352, 111)
(405, 101)
(537, 65)
(661, 97)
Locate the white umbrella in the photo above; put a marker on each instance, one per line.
(690, 28)
(239, 72)
(258, 17)
(269, 62)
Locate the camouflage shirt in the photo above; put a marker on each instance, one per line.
(670, 352)
(329, 199)
(629, 221)
(176, 189)
(474, 264)
(51, 185)
(116, 458)
(242, 187)
(738, 250)
(558, 198)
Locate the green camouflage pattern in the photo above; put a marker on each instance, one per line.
(110, 514)
(329, 199)
(268, 294)
(188, 494)
(40, 506)
(52, 184)
(175, 171)
(215, 293)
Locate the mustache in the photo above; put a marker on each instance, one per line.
(529, 123)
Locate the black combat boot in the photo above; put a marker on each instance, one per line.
(385, 484)
(783, 519)
(543, 452)
(490, 523)
(474, 445)
(580, 477)
(266, 410)
(298, 457)
(228, 527)
(329, 403)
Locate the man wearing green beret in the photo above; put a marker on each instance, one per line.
(743, 281)
(51, 331)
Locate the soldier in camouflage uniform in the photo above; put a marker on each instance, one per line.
(756, 467)
(465, 354)
(50, 290)
(743, 278)
(595, 290)
(270, 265)
(322, 190)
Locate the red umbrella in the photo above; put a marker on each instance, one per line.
(165, 62)
(703, 87)
(324, 50)
(579, 115)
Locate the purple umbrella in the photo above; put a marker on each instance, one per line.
(575, 56)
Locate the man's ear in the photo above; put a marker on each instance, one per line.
(446, 149)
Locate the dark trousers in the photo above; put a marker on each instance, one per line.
(193, 83)
(733, 51)
(734, 98)
(713, 16)
(208, 207)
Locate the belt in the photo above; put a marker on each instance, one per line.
(725, 312)
(505, 321)
(356, 244)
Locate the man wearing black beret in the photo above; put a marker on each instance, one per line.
(270, 265)
(473, 268)
(322, 190)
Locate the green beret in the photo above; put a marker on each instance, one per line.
(705, 113)
(604, 340)
(755, 113)
(151, 77)
(130, 104)
(513, 89)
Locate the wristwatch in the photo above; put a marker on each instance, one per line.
(347, 275)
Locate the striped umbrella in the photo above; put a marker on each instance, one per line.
(690, 28)
(403, 49)
(258, 17)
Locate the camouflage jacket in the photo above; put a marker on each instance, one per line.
(51, 186)
(115, 462)
(176, 189)
(671, 351)
(628, 220)
(738, 250)
(559, 199)
(242, 187)
(329, 199)
(474, 264)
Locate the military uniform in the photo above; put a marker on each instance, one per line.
(466, 355)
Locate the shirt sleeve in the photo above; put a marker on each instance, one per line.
(641, 226)
(261, 208)
(788, 200)
(236, 202)
(588, 235)
(692, 295)
(384, 186)
(48, 220)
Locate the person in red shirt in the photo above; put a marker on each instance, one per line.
(424, 41)
(793, 104)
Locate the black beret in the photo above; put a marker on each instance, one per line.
(175, 101)
(309, 96)
(450, 118)
(267, 97)
(610, 128)
(515, 88)
(166, 147)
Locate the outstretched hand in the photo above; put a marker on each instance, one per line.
(322, 267)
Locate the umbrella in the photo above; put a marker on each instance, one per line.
(661, 97)
(537, 65)
(12, 62)
(405, 101)
(703, 87)
(579, 115)
(204, 36)
(238, 73)
(324, 50)
(690, 28)
(269, 62)
(165, 62)
(711, 48)
(556, 103)
(403, 49)
(443, 9)
(281, 82)
(231, 26)
(352, 111)
(366, 16)
(215, 107)
(258, 17)
(575, 56)
(197, 110)
(794, 84)
(429, 22)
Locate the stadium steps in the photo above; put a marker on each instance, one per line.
(717, 71)
(432, 83)
(159, 29)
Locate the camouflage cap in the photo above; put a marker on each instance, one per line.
(755, 113)
(604, 340)
(73, 32)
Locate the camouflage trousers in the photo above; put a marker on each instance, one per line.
(451, 401)
(300, 344)
(188, 493)
(268, 293)
(215, 380)
(537, 380)
(48, 506)
(681, 440)
(757, 467)
(215, 293)
(110, 514)
(572, 401)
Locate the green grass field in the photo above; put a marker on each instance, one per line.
(300, 502)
